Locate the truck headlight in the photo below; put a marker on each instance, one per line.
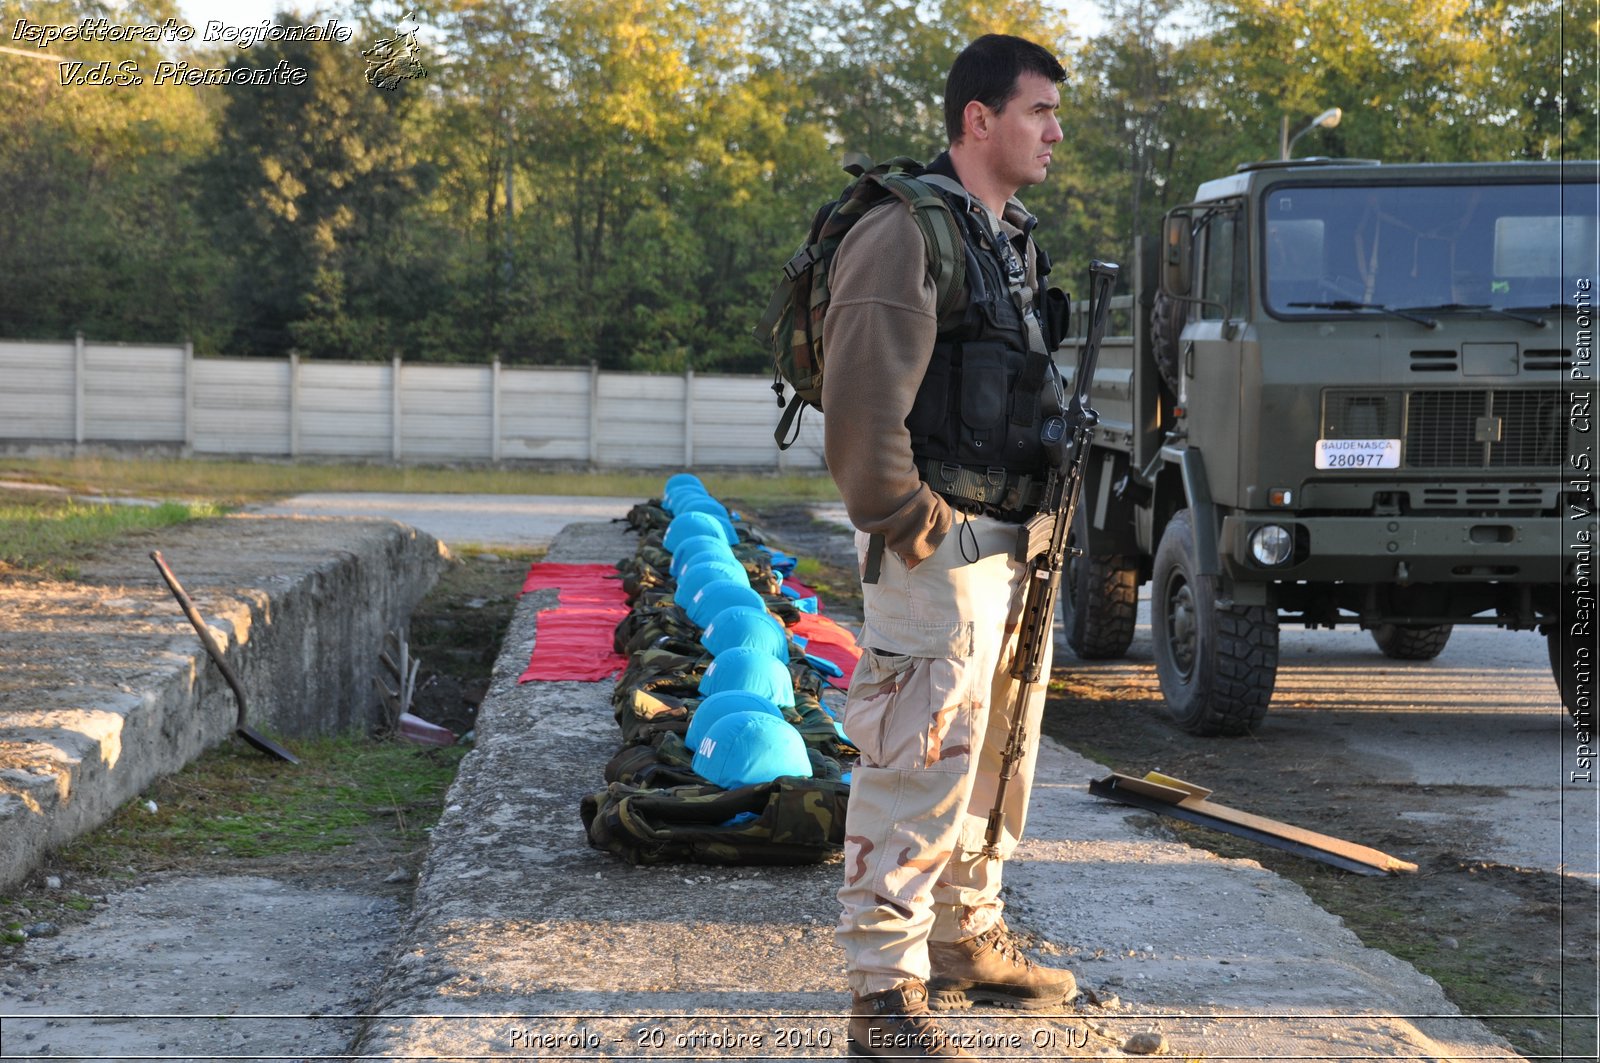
(1271, 544)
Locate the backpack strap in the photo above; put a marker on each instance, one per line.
(941, 235)
(789, 421)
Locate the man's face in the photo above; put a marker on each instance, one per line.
(1022, 134)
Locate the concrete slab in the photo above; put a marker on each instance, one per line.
(105, 686)
(525, 941)
(162, 971)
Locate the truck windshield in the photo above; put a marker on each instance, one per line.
(1336, 249)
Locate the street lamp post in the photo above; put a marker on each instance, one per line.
(1326, 120)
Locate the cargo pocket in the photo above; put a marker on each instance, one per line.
(911, 698)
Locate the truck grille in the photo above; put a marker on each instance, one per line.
(1488, 497)
(1459, 428)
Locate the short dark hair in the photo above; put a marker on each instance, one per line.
(987, 71)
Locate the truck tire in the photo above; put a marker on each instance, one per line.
(1406, 642)
(1562, 667)
(1167, 318)
(1099, 600)
(1217, 663)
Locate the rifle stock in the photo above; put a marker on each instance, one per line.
(1042, 541)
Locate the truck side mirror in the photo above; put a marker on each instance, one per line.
(1177, 255)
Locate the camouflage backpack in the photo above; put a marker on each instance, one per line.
(791, 328)
(787, 821)
(647, 517)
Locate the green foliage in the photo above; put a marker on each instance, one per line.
(99, 231)
(312, 184)
(618, 181)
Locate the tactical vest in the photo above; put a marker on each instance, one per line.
(975, 423)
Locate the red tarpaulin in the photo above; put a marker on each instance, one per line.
(829, 641)
(573, 640)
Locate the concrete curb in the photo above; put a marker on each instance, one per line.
(524, 941)
(105, 687)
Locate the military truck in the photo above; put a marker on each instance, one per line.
(1345, 399)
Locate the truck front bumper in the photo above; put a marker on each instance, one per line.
(1453, 549)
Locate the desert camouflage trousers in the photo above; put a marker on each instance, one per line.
(930, 708)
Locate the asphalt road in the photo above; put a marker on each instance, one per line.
(1484, 713)
(462, 520)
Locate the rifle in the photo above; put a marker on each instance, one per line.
(1042, 541)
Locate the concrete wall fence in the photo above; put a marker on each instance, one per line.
(115, 393)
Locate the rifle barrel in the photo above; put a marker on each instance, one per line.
(1045, 567)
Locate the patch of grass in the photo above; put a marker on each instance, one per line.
(239, 482)
(807, 569)
(51, 533)
(234, 804)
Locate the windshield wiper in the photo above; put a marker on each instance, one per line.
(1547, 308)
(1350, 304)
(1480, 308)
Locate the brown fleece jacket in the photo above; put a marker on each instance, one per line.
(879, 336)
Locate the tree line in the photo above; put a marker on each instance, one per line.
(619, 181)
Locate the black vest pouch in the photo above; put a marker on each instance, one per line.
(931, 416)
(985, 388)
(1057, 317)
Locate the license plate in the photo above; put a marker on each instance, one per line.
(1358, 453)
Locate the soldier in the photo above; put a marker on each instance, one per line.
(932, 436)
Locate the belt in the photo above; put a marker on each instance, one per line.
(986, 490)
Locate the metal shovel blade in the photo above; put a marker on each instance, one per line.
(261, 742)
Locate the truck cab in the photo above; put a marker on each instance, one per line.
(1353, 394)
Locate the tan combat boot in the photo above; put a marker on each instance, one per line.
(895, 1024)
(992, 969)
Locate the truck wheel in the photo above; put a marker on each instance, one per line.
(1562, 667)
(1217, 663)
(1167, 318)
(1099, 600)
(1406, 642)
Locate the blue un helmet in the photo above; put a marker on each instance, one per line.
(697, 575)
(675, 497)
(722, 594)
(699, 548)
(746, 748)
(752, 669)
(677, 479)
(714, 707)
(687, 525)
(740, 625)
(694, 504)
